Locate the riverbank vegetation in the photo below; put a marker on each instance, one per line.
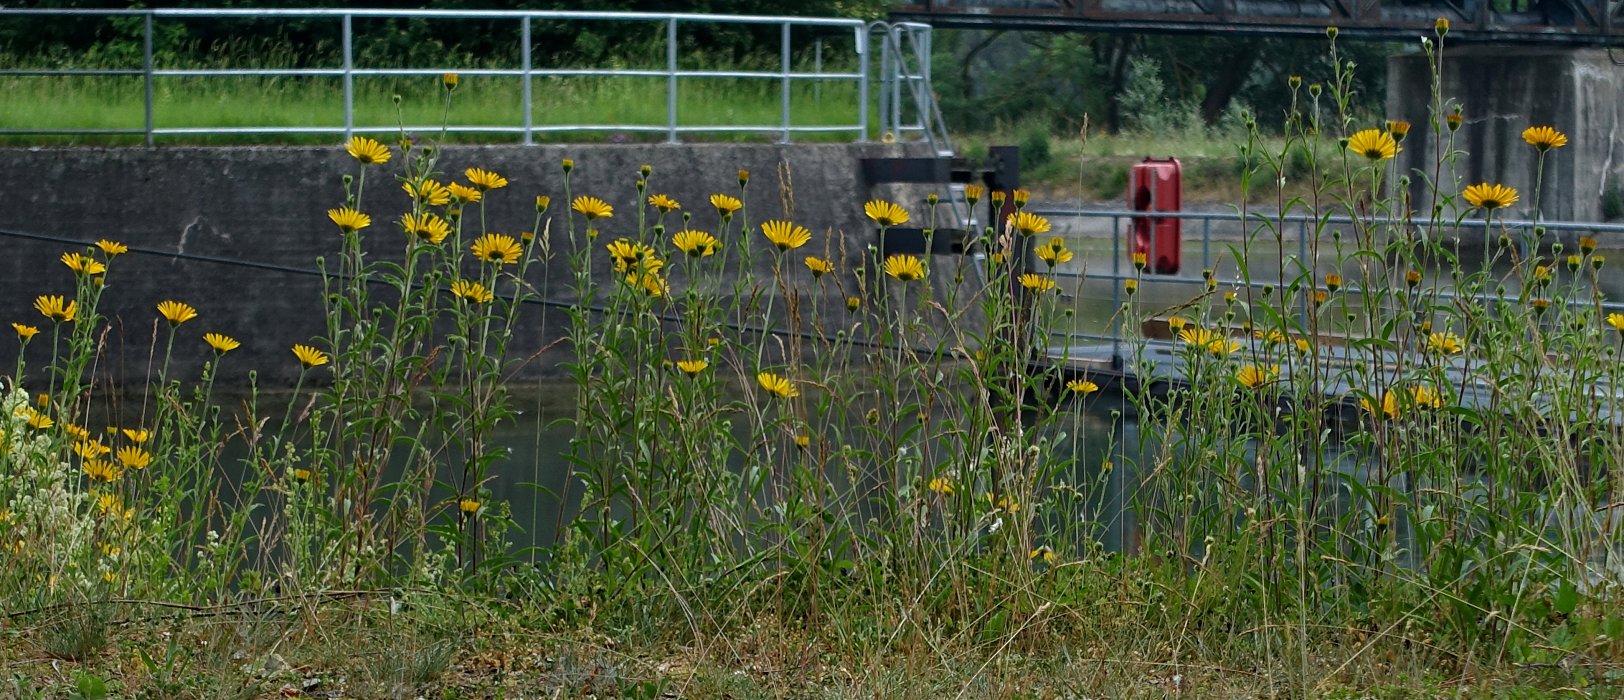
(1390, 469)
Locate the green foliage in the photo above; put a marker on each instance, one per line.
(887, 472)
(1147, 106)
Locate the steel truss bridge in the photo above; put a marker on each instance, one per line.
(1573, 23)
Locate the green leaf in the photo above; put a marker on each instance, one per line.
(1567, 597)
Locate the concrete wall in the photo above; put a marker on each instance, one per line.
(268, 205)
(1504, 90)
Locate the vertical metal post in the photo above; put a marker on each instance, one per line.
(920, 38)
(1116, 289)
(783, 85)
(524, 59)
(146, 70)
(671, 80)
(862, 83)
(887, 74)
(817, 67)
(349, 78)
(897, 83)
(1206, 242)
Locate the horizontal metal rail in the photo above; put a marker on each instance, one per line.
(1119, 271)
(672, 126)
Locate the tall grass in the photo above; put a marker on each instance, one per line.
(889, 470)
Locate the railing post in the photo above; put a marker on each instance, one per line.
(817, 67)
(524, 58)
(1116, 289)
(885, 81)
(783, 87)
(671, 80)
(893, 40)
(863, 54)
(146, 70)
(349, 78)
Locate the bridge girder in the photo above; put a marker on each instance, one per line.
(1576, 23)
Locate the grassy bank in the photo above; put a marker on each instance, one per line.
(99, 103)
(888, 499)
(461, 647)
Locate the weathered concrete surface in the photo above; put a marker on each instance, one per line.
(1503, 91)
(268, 205)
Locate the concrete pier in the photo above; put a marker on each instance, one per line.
(236, 232)
(1503, 90)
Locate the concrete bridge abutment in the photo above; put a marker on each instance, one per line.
(1502, 91)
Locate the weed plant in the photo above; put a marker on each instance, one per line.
(775, 430)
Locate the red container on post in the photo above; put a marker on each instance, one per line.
(1155, 185)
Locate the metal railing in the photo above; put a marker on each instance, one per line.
(1121, 267)
(898, 114)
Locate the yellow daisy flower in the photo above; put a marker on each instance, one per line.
(1082, 386)
(484, 179)
(349, 220)
(221, 343)
(819, 266)
(465, 193)
(906, 268)
(468, 506)
(780, 387)
(368, 151)
(1037, 283)
(1490, 196)
(786, 235)
(1054, 252)
(698, 244)
(474, 292)
(39, 421)
(101, 470)
(941, 486)
(1374, 144)
(1426, 397)
(1445, 343)
(592, 208)
(112, 248)
(137, 435)
(652, 283)
(426, 227)
(25, 332)
(82, 264)
(176, 312)
(1389, 405)
(885, 213)
(725, 205)
(90, 449)
(498, 248)
(692, 368)
(1544, 138)
(428, 192)
(1254, 376)
(133, 457)
(664, 203)
(56, 308)
(310, 357)
(1616, 320)
(1029, 224)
